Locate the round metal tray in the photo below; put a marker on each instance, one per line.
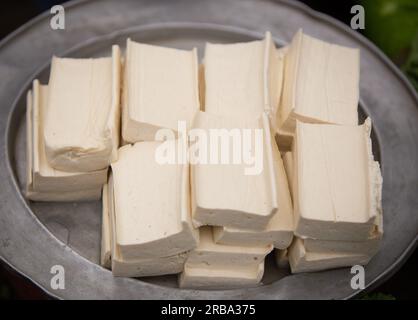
(36, 236)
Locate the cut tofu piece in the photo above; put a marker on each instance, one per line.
(45, 178)
(82, 123)
(225, 194)
(243, 79)
(337, 186)
(321, 83)
(215, 255)
(106, 243)
(152, 206)
(279, 230)
(206, 277)
(161, 88)
(133, 267)
(301, 260)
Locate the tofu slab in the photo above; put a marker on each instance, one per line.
(321, 83)
(45, 178)
(337, 186)
(161, 88)
(211, 254)
(222, 194)
(288, 167)
(81, 130)
(301, 260)
(279, 230)
(204, 277)
(152, 209)
(243, 79)
(110, 256)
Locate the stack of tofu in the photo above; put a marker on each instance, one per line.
(243, 215)
(73, 129)
(313, 198)
(336, 184)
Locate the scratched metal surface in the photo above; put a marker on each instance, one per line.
(35, 236)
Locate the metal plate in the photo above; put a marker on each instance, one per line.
(36, 236)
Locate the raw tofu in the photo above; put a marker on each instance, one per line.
(206, 277)
(222, 194)
(279, 230)
(321, 83)
(82, 123)
(45, 178)
(132, 267)
(301, 260)
(337, 186)
(161, 88)
(151, 204)
(215, 255)
(243, 79)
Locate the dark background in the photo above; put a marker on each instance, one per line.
(390, 24)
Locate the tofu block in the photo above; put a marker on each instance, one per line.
(215, 255)
(337, 185)
(45, 178)
(132, 267)
(224, 193)
(243, 79)
(82, 123)
(152, 208)
(321, 83)
(279, 230)
(302, 260)
(161, 88)
(204, 277)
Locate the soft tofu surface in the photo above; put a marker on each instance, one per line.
(161, 88)
(243, 78)
(44, 177)
(206, 277)
(215, 255)
(222, 195)
(337, 185)
(301, 260)
(131, 267)
(82, 123)
(152, 208)
(321, 83)
(279, 230)
(288, 166)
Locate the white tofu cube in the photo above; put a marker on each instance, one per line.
(160, 88)
(243, 79)
(222, 193)
(321, 83)
(337, 184)
(301, 260)
(152, 208)
(81, 130)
